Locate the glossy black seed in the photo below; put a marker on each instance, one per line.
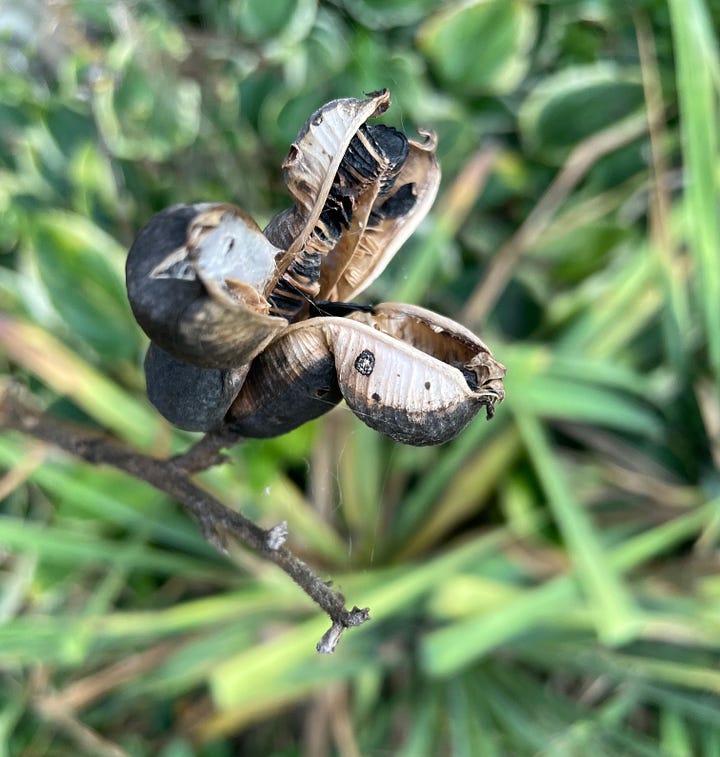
(338, 207)
(345, 209)
(392, 143)
(386, 144)
(332, 220)
(400, 204)
(285, 302)
(307, 266)
(471, 379)
(297, 286)
(358, 158)
(340, 309)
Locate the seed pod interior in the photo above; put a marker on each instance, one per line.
(226, 248)
(313, 160)
(412, 389)
(384, 226)
(334, 170)
(440, 337)
(382, 187)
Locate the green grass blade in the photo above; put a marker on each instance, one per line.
(448, 649)
(70, 547)
(66, 373)
(697, 60)
(609, 598)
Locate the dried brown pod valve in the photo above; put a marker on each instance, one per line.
(237, 314)
(360, 191)
(405, 371)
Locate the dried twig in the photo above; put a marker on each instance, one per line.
(172, 476)
(207, 452)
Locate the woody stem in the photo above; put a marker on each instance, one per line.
(18, 413)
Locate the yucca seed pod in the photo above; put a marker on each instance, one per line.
(248, 322)
(196, 279)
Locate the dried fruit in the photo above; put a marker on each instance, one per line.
(403, 370)
(254, 324)
(196, 275)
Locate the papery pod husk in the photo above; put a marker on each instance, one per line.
(380, 220)
(189, 288)
(417, 377)
(312, 162)
(381, 225)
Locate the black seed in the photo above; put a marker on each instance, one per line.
(308, 265)
(471, 379)
(340, 309)
(365, 363)
(375, 396)
(359, 158)
(386, 144)
(392, 143)
(427, 384)
(298, 285)
(338, 208)
(400, 203)
(346, 209)
(286, 300)
(374, 219)
(333, 222)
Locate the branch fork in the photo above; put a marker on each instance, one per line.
(173, 476)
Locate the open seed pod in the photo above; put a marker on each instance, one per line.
(217, 296)
(360, 190)
(209, 288)
(196, 278)
(403, 370)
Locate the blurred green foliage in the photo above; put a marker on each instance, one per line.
(546, 583)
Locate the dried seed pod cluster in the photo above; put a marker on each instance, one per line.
(254, 330)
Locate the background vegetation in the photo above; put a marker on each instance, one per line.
(545, 584)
